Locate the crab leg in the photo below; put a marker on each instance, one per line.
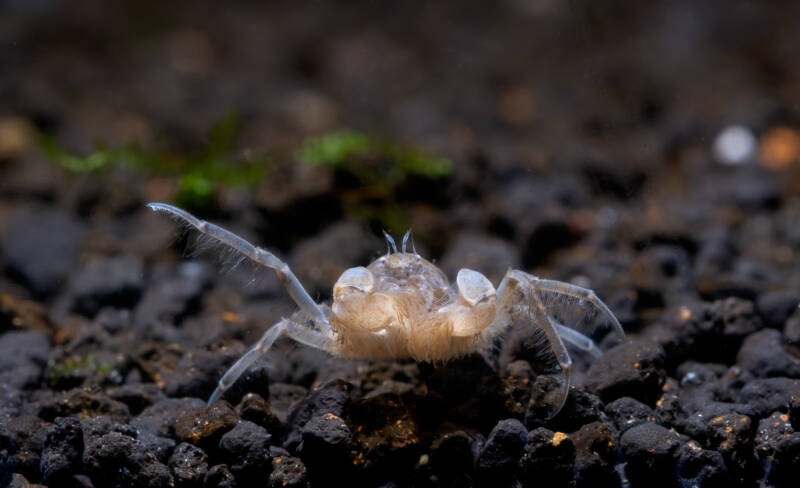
(257, 254)
(549, 327)
(576, 291)
(531, 307)
(578, 340)
(299, 333)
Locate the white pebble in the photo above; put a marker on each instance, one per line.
(735, 144)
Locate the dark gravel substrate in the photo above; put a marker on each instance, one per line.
(111, 341)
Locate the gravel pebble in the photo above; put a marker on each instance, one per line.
(219, 476)
(326, 443)
(634, 369)
(453, 457)
(595, 455)
(246, 450)
(626, 412)
(548, 455)
(160, 417)
(766, 395)
(189, 465)
(21, 441)
(775, 307)
(650, 453)
(205, 426)
(116, 458)
(62, 449)
(287, 472)
(196, 374)
(23, 354)
(503, 448)
(80, 402)
(255, 409)
(731, 435)
(41, 247)
(764, 354)
(698, 467)
(137, 396)
(115, 281)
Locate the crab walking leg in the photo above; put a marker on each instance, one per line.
(257, 254)
(576, 291)
(550, 327)
(578, 340)
(299, 333)
(530, 306)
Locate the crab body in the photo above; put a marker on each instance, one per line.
(402, 306)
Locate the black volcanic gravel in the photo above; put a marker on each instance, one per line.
(584, 148)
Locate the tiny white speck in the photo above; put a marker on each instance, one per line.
(734, 145)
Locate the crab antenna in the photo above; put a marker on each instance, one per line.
(414, 249)
(405, 239)
(390, 243)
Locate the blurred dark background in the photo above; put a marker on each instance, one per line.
(649, 151)
(548, 132)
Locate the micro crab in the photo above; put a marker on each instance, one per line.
(403, 306)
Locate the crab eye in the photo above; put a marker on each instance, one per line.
(473, 286)
(358, 278)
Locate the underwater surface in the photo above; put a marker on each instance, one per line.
(650, 153)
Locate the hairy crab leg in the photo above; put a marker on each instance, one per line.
(534, 310)
(299, 333)
(549, 327)
(257, 254)
(576, 291)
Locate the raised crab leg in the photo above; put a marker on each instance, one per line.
(257, 254)
(288, 327)
(581, 293)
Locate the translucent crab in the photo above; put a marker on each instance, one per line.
(402, 306)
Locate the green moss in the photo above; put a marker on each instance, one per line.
(378, 166)
(199, 173)
(73, 364)
(370, 159)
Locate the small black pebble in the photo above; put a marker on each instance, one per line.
(453, 456)
(246, 449)
(776, 306)
(189, 465)
(503, 448)
(634, 369)
(650, 450)
(160, 417)
(137, 396)
(255, 409)
(731, 435)
(205, 426)
(764, 355)
(62, 449)
(626, 412)
(118, 459)
(219, 476)
(326, 440)
(771, 431)
(287, 472)
(698, 467)
(766, 395)
(548, 455)
(595, 456)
